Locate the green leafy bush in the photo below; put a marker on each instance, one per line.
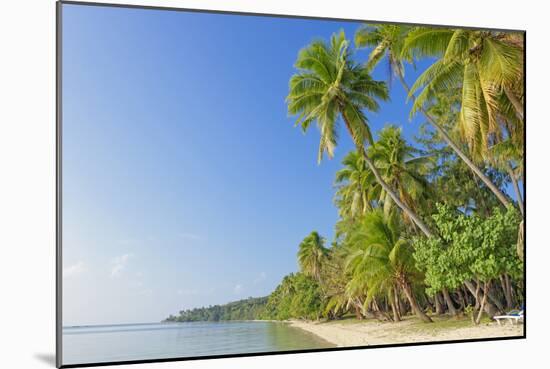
(469, 247)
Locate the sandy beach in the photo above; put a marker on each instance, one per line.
(364, 333)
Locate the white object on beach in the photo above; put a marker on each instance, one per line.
(513, 318)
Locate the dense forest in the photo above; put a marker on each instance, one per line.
(427, 227)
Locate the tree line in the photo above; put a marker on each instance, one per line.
(426, 227)
(247, 309)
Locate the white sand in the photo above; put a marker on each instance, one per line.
(369, 332)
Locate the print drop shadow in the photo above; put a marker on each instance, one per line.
(46, 358)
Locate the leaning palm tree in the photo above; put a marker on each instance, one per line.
(312, 254)
(329, 86)
(382, 260)
(396, 43)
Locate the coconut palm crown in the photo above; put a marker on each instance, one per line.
(329, 85)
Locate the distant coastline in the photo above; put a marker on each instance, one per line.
(249, 309)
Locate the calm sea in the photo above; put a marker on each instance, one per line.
(155, 341)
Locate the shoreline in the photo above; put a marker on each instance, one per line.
(366, 333)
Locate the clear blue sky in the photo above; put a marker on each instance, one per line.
(184, 181)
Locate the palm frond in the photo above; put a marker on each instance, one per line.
(427, 41)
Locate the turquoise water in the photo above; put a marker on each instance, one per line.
(174, 340)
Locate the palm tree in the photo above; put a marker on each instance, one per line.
(482, 63)
(356, 186)
(507, 156)
(507, 152)
(401, 168)
(396, 42)
(329, 86)
(487, 68)
(312, 254)
(334, 282)
(386, 40)
(357, 189)
(383, 260)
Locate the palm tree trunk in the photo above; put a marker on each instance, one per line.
(395, 305)
(503, 199)
(411, 214)
(516, 189)
(521, 241)
(414, 304)
(495, 300)
(358, 315)
(365, 202)
(506, 288)
(378, 314)
(483, 302)
(461, 298)
(438, 306)
(401, 306)
(489, 308)
(449, 302)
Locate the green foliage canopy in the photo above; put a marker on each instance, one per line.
(470, 247)
(298, 296)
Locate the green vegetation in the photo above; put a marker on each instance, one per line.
(298, 296)
(472, 248)
(248, 309)
(425, 228)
